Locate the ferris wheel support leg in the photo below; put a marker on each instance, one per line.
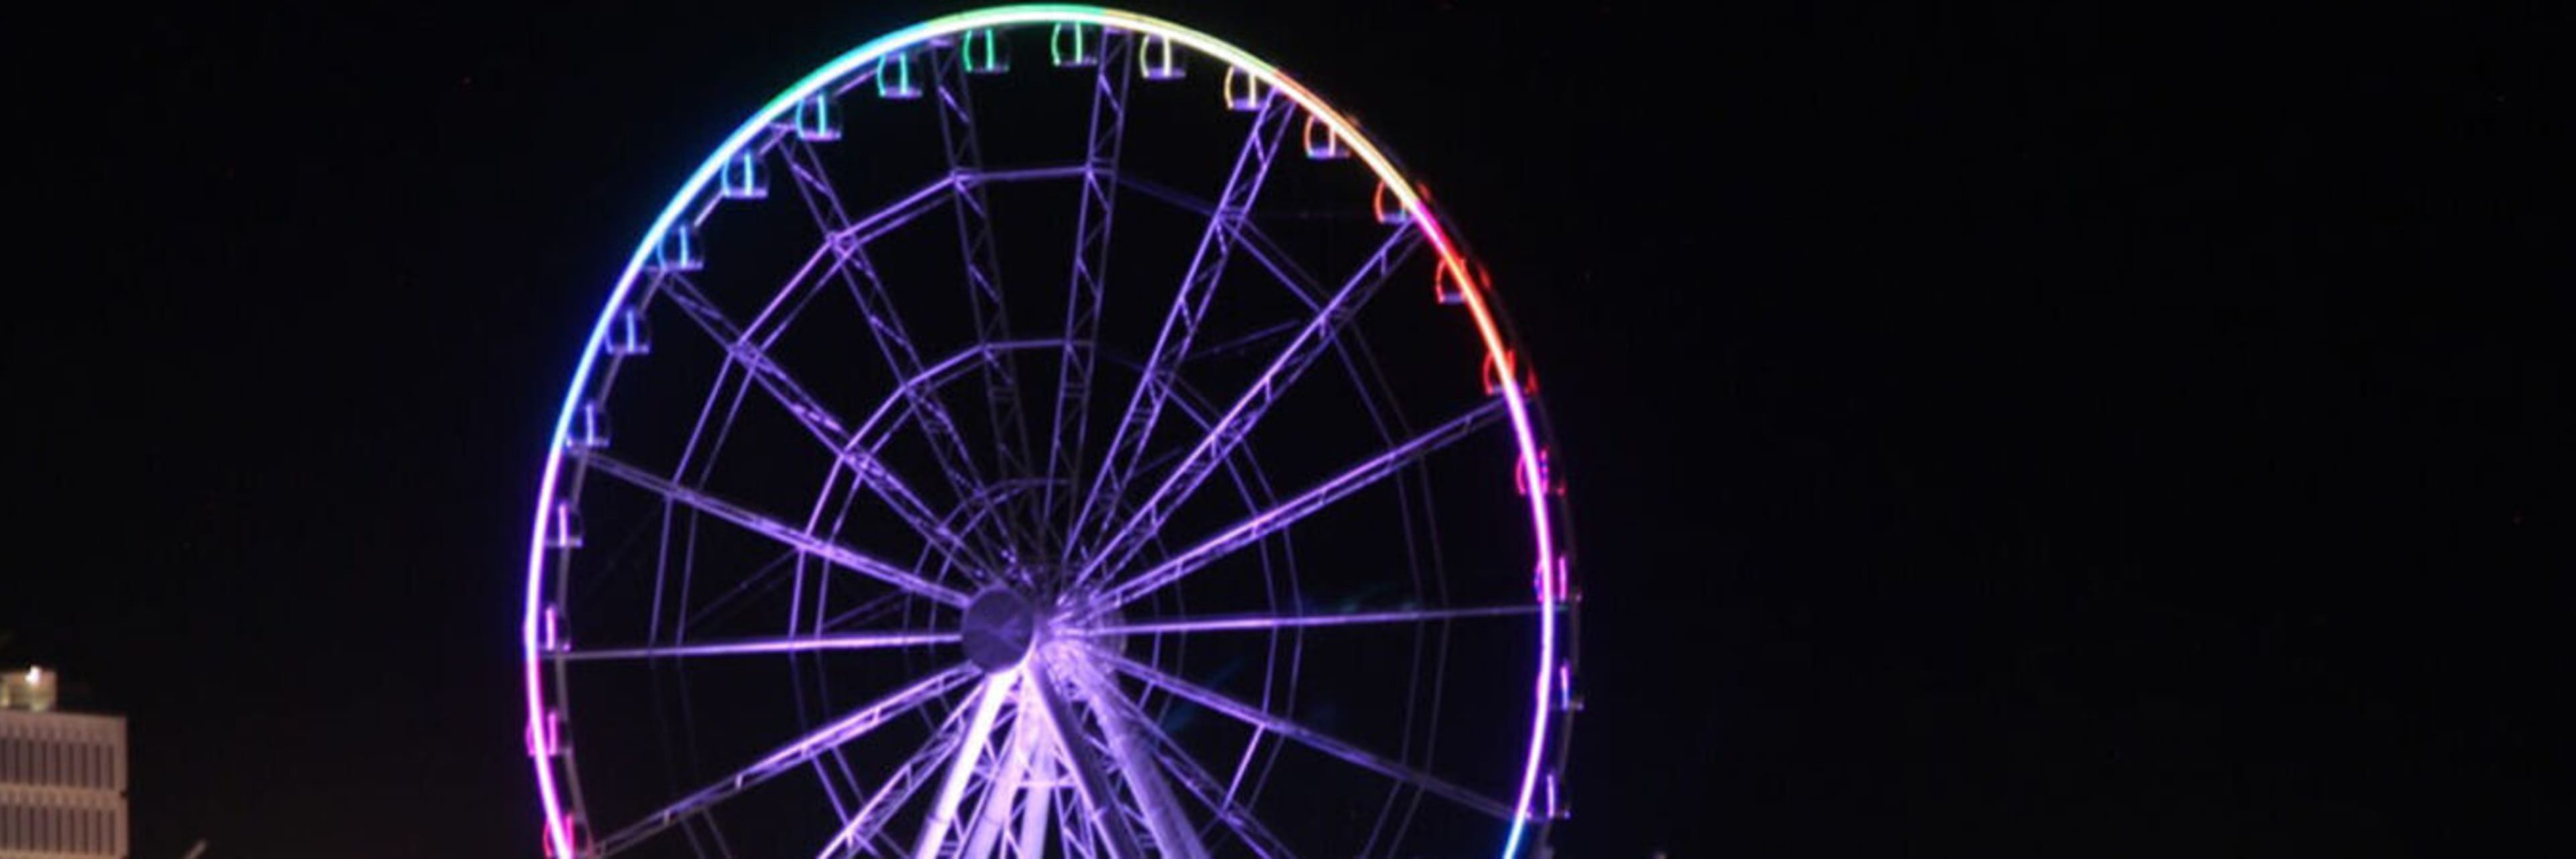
(1033, 811)
(1010, 778)
(943, 813)
(1172, 833)
(1091, 784)
(1219, 799)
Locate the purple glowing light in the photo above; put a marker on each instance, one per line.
(671, 244)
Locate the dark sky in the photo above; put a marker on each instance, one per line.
(2036, 433)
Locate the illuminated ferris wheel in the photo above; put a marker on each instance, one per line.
(1049, 430)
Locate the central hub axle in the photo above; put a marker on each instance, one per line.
(1000, 627)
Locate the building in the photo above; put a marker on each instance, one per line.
(62, 775)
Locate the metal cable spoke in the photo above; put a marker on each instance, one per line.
(766, 526)
(1189, 307)
(1314, 739)
(788, 757)
(1231, 429)
(755, 646)
(885, 327)
(983, 267)
(1265, 622)
(825, 426)
(867, 824)
(1069, 431)
(1253, 528)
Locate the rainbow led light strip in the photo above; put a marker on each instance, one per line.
(1549, 566)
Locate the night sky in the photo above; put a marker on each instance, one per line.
(2038, 433)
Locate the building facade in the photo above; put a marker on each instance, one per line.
(62, 779)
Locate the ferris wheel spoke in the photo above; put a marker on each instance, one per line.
(867, 827)
(969, 514)
(1253, 528)
(790, 756)
(891, 413)
(1180, 325)
(855, 272)
(752, 646)
(838, 555)
(1283, 267)
(1203, 785)
(1230, 429)
(821, 422)
(1261, 622)
(801, 285)
(858, 232)
(1070, 429)
(866, 229)
(1310, 737)
(983, 265)
(1256, 243)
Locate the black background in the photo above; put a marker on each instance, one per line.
(2073, 432)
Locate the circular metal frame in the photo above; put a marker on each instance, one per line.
(1064, 624)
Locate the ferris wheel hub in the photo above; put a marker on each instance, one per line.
(1000, 627)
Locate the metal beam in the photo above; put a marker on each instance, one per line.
(983, 266)
(1091, 782)
(1172, 833)
(788, 757)
(1248, 408)
(821, 422)
(838, 555)
(979, 730)
(1203, 785)
(1181, 323)
(744, 647)
(1069, 433)
(1271, 521)
(906, 779)
(1260, 622)
(885, 327)
(1314, 739)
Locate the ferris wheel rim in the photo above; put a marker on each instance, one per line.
(1522, 415)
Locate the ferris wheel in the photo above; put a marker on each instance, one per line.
(1049, 430)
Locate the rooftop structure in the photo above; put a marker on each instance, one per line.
(62, 775)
